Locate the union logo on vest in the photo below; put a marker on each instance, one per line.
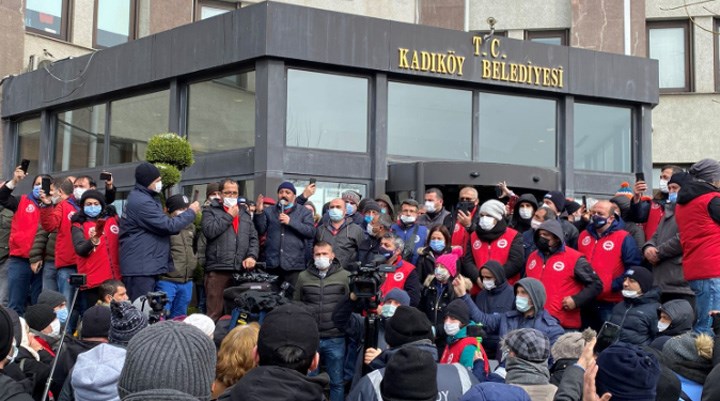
(476, 244)
(608, 245)
(502, 243)
(532, 264)
(586, 241)
(558, 266)
(398, 276)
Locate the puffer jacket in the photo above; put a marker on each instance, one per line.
(682, 319)
(345, 241)
(286, 243)
(43, 247)
(145, 232)
(668, 273)
(637, 318)
(225, 250)
(6, 216)
(183, 256)
(323, 295)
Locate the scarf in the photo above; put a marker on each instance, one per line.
(493, 234)
(520, 371)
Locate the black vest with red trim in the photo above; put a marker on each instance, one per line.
(103, 263)
(497, 250)
(398, 278)
(605, 257)
(699, 237)
(558, 276)
(24, 227)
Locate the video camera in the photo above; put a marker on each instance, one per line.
(156, 301)
(366, 281)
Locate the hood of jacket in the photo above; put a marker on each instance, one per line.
(536, 291)
(681, 314)
(555, 228)
(623, 203)
(97, 372)
(693, 189)
(524, 223)
(274, 383)
(498, 271)
(385, 198)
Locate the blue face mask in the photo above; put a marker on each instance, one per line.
(522, 304)
(62, 315)
(672, 197)
(368, 218)
(350, 209)
(386, 252)
(336, 214)
(92, 211)
(383, 211)
(599, 221)
(437, 245)
(36, 191)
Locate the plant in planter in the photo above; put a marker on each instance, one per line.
(171, 154)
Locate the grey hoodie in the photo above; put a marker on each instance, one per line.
(97, 372)
(535, 290)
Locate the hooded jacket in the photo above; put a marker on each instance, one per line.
(637, 318)
(517, 222)
(323, 294)
(668, 273)
(698, 218)
(503, 323)
(274, 383)
(67, 358)
(682, 319)
(97, 372)
(499, 300)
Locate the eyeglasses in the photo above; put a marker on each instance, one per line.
(231, 193)
(467, 200)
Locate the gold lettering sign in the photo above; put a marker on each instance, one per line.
(492, 66)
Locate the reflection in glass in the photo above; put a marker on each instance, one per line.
(133, 121)
(29, 144)
(517, 130)
(429, 122)
(326, 111)
(44, 15)
(80, 138)
(548, 40)
(667, 45)
(328, 190)
(602, 138)
(113, 22)
(221, 113)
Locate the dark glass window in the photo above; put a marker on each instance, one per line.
(80, 138)
(114, 22)
(29, 144)
(48, 17)
(603, 138)
(133, 121)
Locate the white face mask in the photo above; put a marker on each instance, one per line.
(488, 284)
(387, 310)
(158, 186)
(534, 223)
(630, 294)
(663, 186)
(662, 326)
(451, 328)
(487, 223)
(441, 274)
(430, 207)
(322, 263)
(525, 212)
(78, 192)
(55, 325)
(407, 219)
(369, 230)
(229, 202)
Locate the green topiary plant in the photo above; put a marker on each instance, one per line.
(171, 149)
(169, 174)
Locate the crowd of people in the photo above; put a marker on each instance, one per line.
(513, 298)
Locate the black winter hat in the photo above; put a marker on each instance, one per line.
(125, 322)
(146, 173)
(92, 194)
(407, 325)
(6, 333)
(410, 375)
(288, 324)
(557, 198)
(96, 322)
(628, 373)
(39, 316)
(642, 275)
(51, 298)
(458, 310)
(177, 201)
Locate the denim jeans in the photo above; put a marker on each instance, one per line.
(707, 293)
(49, 277)
(63, 282)
(332, 357)
(4, 299)
(178, 295)
(23, 283)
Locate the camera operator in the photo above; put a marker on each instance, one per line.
(321, 287)
(405, 277)
(376, 230)
(232, 244)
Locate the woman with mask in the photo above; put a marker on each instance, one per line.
(438, 243)
(95, 237)
(437, 292)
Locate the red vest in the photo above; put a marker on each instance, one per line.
(24, 227)
(398, 278)
(498, 250)
(58, 219)
(699, 237)
(657, 211)
(453, 352)
(460, 235)
(558, 276)
(104, 262)
(605, 257)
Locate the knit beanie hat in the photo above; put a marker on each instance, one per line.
(628, 373)
(125, 322)
(679, 178)
(458, 310)
(287, 185)
(624, 190)
(449, 260)
(176, 202)
(557, 198)
(351, 196)
(707, 170)
(51, 298)
(399, 295)
(17, 327)
(493, 208)
(528, 344)
(39, 316)
(687, 347)
(202, 322)
(212, 188)
(407, 325)
(643, 277)
(568, 346)
(96, 322)
(93, 194)
(571, 206)
(371, 205)
(410, 375)
(169, 355)
(146, 173)
(6, 333)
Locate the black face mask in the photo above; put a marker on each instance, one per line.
(543, 245)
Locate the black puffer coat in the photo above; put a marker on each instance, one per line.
(637, 318)
(225, 249)
(322, 295)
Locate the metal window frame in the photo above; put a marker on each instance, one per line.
(686, 25)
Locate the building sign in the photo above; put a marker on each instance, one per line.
(490, 58)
